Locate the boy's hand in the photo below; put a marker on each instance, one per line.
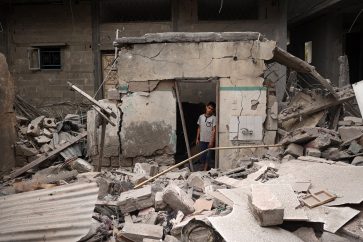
(197, 141)
(210, 144)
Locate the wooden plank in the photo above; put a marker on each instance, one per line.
(46, 156)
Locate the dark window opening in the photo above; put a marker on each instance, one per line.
(113, 11)
(50, 58)
(227, 9)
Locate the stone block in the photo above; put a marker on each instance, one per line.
(355, 148)
(358, 161)
(312, 152)
(138, 232)
(146, 169)
(321, 142)
(294, 150)
(138, 178)
(347, 133)
(345, 123)
(81, 165)
(197, 181)
(177, 199)
(265, 207)
(159, 202)
(135, 199)
(331, 153)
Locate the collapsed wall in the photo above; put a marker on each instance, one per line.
(148, 67)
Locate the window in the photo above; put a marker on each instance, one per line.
(227, 9)
(45, 58)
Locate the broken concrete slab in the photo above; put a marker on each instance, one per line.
(294, 150)
(355, 148)
(329, 237)
(304, 135)
(301, 186)
(138, 232)
(136, 199)
(353, 119)
(177, 199)
(240, 225)
(34, 126)
(315, 159)
(42, 139)
(198, 181)
(333, 217)
(330, 176)
(265, 207)
(201, 205)
(346, 133)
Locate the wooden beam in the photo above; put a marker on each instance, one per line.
(185, 131)
(46, 156)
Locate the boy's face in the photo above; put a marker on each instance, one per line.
(209, 110)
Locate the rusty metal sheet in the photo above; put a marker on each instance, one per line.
(63, 213)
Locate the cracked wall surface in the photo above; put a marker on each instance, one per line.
(239, 67)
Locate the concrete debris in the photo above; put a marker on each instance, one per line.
(254, 194)
(265, 207)
(139, 232)
(135, 199)
(177, 199)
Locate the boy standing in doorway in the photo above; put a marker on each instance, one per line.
(206, 133)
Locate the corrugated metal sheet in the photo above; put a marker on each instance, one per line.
(62, 213)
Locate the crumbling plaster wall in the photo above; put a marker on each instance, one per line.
(37, 24)
(238, 66)
(7, 117)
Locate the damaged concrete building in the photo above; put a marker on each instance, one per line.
(100, 107)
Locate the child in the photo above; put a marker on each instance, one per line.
(206, 132)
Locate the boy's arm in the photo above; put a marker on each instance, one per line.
(213, 138)
(198, 135)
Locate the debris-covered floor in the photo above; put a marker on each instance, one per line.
(307, 186)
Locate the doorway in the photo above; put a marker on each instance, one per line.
(194, 95)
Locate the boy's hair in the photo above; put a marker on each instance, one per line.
(213, 104)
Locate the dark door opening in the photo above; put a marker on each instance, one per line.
(194, 96)
(354, 51)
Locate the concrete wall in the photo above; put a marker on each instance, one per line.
(238, 66)
(46, 24)
(325, 32)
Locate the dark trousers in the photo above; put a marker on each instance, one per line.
(206, 157)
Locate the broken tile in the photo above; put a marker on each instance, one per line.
(202, 205)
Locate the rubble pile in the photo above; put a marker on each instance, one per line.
(42, 135)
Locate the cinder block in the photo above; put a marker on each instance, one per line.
(136, 199)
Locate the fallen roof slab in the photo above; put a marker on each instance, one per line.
(240, 225)
(345, 181)
(63, 213)
(333, 217)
